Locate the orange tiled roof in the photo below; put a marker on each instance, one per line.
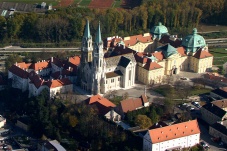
(39, 65)
(140, 57)
(23, 65)
(174, 131)
(97, 98)
(75, 60)
(132, 104)
(200, 54)
(58, 83)
(181, 51)
(158, 55)
(137, 38)
(151, 65)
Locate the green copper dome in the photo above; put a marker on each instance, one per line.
(193, 41)
(158, 31)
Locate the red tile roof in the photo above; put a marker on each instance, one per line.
(181, 51)
(158, 55)
(101, 100)
(132, 104)
(151, 65)
(138, 38)
(18, 71)
(74, 60)
(58, 82)
(23, 65)
(103, 105)
(174, 131)
(141, 57)
(39, 65)
(200, 54)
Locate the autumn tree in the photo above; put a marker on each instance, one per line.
(143, 121)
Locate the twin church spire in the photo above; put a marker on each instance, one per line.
(87, 33)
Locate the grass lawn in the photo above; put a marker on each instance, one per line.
(85, 2)
(165, 90)
(220, 55)
(200, 91)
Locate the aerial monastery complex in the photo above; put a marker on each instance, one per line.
(115, 62)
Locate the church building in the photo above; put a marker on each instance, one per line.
(99, 74)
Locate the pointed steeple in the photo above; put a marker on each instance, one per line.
(98, 38)
(87, 30)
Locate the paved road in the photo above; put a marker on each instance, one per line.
(19, 49)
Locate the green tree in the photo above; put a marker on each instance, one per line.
(143, 121)
(73, 120)
(12, 59)
(154, 116)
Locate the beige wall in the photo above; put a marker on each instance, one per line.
(141, 47)
(150, 76)
(202, 65)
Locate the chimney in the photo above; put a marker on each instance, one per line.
(16, 63)
(52, 59)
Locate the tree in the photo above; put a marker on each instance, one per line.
(73, 120)
(143, 121)
(11, 60)
(153, 115)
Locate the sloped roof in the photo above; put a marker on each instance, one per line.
(75, 60)
(138, 38)
(113, 74)
(220, 103)
(151, 65)
(124, 62)
(159, 55)
(141, 57)
(215, 78)
(58, 82)
(221, 92)
(23, 65)
(181, 51)
(174, 131)
(103, 105)
(114, 61)
(214, 109)
(200, 54)
(18, 71)
(219, 127)
(167, 50)
(57, 62)
(132, 104)
(39, 65)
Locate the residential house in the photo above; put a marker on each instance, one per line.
(172, 137)
(219, 130)
(113, 116)
(102, 105)
(30, 76)
(219, 93)
(214, 111)
(215, 79)
(52, 145)
(132, 104)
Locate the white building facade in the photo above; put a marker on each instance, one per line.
(171, 137)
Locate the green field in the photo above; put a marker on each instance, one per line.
(85, 2)
(53, 2)
(220, 55)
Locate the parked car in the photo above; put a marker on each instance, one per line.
(204, 144)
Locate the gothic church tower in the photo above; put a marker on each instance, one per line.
(87, 48)
(98, 62)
